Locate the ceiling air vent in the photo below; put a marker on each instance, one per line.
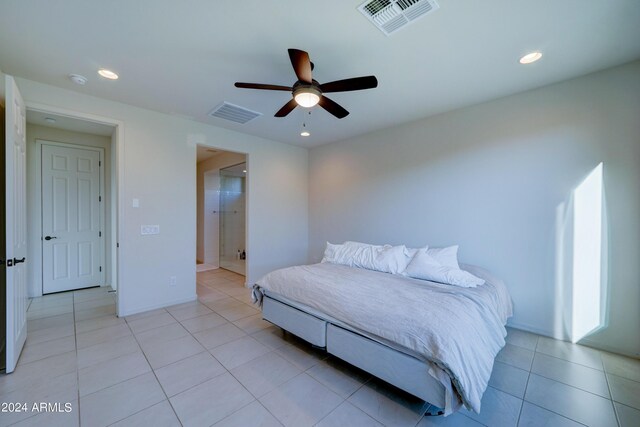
(233, 113)
(391, 15)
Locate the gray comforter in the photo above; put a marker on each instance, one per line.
(458, 330)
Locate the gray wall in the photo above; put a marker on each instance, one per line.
(494, 178)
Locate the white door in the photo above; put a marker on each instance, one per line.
(72, 236)
(16, 220)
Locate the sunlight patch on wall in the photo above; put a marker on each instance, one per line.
(581, 258)
(587, 256)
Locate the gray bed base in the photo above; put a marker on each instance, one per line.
(397, 368)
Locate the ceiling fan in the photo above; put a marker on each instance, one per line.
(307, 92)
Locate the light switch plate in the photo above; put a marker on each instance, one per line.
(149, 229)
(135, 203)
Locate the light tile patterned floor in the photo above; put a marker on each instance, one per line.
(216, 362)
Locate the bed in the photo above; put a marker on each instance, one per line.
(435, 341)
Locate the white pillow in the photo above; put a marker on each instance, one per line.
(426, 267)
(446, 256)
(344, 254)
(358, 244)
(387, 259)
(330, 253)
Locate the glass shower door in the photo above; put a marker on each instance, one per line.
(233, 252)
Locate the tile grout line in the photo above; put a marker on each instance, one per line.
(615, 410)
(570, 361)
(550, 410)
(271, 350)
(526, 386)
(205, 350)
(255, 399)
(223, 367)
(577, 388)
(570, 385)
(522, 400)
(154, 374)
(556, 413)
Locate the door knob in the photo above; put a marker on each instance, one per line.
(50, 237)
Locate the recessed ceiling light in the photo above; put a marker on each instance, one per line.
(107, 74)
(304, 133)
(49, 120)
(530, 57)
(244, 171)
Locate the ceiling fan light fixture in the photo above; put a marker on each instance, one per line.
(307, 96)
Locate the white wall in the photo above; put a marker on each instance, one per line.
(160, 170)
(37, 132)
(490, 178)
(214, 163)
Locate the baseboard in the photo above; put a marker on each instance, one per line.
(532, 329)
(130, 312)
(586, 342)
(610, 349)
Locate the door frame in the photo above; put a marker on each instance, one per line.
(207, 237)
(38, 208)
(117, 189)
(247, 216)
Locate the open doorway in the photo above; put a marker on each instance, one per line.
(221, 213)
(71, 180)
(71, 195)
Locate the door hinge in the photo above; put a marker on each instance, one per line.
(99, 233)
(101, 268)
(99, 198)
(99, 163)
(117, 245)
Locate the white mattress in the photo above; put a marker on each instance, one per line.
(458, 330)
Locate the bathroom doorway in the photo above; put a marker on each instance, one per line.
(221, 210)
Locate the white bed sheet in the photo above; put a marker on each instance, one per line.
(458, 330)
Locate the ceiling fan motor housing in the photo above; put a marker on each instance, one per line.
(302, 87)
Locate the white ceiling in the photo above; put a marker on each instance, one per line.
(182, 57)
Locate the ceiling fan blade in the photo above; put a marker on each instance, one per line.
(262, 86)
(287, 108)
(333, 107)
(346, 85)
(301, 65)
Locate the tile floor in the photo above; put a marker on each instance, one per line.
(216, 362)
